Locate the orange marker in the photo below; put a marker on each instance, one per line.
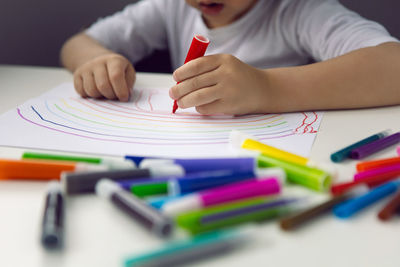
(40, 169)
(374, 164)
(197, 49)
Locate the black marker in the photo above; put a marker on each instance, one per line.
(53, 217)
(149, 217)
(84, 182)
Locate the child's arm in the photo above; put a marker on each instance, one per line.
(366, 77)
(98, 72)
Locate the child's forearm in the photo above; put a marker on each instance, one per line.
(364, 78)
(79, 49)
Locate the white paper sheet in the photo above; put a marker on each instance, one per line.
(61, 120)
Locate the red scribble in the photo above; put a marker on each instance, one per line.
(308, 128)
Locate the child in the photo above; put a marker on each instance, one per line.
(257, 61)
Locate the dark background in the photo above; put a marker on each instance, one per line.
(32, 32)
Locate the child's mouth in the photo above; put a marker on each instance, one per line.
(211, 8)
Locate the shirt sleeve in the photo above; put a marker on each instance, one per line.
(326, 29)
(133, 32)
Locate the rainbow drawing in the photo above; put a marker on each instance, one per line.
(61, 120)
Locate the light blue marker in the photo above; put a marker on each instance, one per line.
(352, 206)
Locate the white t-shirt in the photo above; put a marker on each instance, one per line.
(274, 33)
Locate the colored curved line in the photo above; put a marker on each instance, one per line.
(163, 121)
(121, 136)
(146, 125)
(96, 138)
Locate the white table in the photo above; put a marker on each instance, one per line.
(99, 235)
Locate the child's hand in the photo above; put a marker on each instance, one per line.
(219, 84)
(110, 76)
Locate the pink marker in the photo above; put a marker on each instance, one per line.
(197, 49)
(384, 173)
(398, 150)
(246, 189)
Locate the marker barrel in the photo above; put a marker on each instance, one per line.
(197, 49)
(378, 145)
(40, 169)
(179, 253)
(202, 165)
(352, 206)
(53, 218)
(151, 189)
(345, 152)
(298, 219)
(384, 173)
(273, 152)
(85, 182)
(134, 207)
(390, 208)
(376, 164)
(230, 214)
(223, 194)
(202, 181)
(312, 178)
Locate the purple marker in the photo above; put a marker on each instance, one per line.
(209, 164)
(212, 218)
(368, 149)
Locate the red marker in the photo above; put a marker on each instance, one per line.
(197, 49)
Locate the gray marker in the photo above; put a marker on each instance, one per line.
(84, 182)
(149, 217)
(53, 217)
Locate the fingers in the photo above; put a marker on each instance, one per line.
(103, 85)
(110, 76)
(212, 108)
(199, 97)
(130, 75)
(196, 67)
(78, 84)
(89, 85)
(192, 84)
(116, 74)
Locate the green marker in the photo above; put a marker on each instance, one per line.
(150, 189)
(312, 178)
(227, 215)
(118, 163)
(197, 248)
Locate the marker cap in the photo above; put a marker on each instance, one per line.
(162, 170)
(185, 203)
(90, 167)
(276, 172)
(105, 188)
(237, 138)
(116, 164)
(148, 163)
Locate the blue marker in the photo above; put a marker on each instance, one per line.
(352, 206)
(201, 181)
(201, 165)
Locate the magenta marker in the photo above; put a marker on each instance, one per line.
(384, 172)
(246, 189)
(378, 145)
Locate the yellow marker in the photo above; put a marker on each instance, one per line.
(241, 140)
(274, 152)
